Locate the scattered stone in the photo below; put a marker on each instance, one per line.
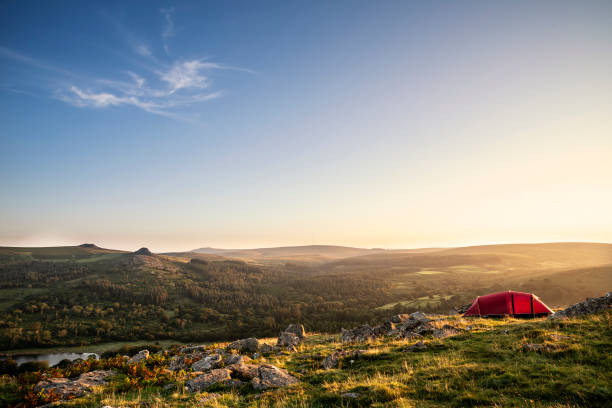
(177, 363)
(169, 386)
(286, 339)
(244, 371)
(207, 363)
(267, 349)
(206, 380)
(234, 383)
(589, 306)
(350, 395)
(384, 328)
(236, 359)
(142, 355)
(546, 347)
(250, 345)
(359, 334)
(399, 318)
(67, 388)
(270, 376)
(192, 349)
(296, 329)
(419, 346)
(445, 331)
(332, 360)
(419, 316)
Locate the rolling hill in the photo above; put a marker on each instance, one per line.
(304, 254)
(85, 294)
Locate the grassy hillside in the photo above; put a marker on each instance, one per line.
(492, 364)
(71, 296)
(301, 254)
(85, 252)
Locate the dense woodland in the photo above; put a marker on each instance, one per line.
(123, 296)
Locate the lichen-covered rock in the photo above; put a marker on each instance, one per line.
(207, 363)
(236, 359)
(296, 329)
(589, 306)
(67, 388)
(233, 383)
(245, 345)
(399, 318)
(419, 346)
(142, 355)
(267, 349)
(244, 371)
(361, 333)
(445, 331)
(192, 349)
(206, 380)
(177, 363)
(332, 360)
(287, 339)
(270, 376)
(384, 329)
(419, 316)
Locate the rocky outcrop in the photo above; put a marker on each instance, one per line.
(445, 331)
(399, 318)
(270, 376)
(332, 360)
(296, 329)
(206, 380)
(244, 345)
(67, 389)
(236, 359)
(589, 306)
(287, 339)
(207, 363)
(418, 346)
(142, 355)
(383, 329)
(401, 326)
(244, 371)
(267, 349)
(143, 251)
(417, 325)
(193, 349)
(543, 348)
(358, 334)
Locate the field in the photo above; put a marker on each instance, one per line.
(485, 366)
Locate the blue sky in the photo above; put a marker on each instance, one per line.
(175, 125)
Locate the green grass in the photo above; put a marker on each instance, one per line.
(485, 366)
(424, 301)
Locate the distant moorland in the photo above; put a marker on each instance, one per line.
(68, 296)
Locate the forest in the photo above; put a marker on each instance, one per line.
(91, 297)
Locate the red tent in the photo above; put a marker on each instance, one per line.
(508, 303)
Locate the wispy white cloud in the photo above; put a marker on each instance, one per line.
(142, 50)
(187, 74)
(168, 26)
(181, 85)
(167, 89)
